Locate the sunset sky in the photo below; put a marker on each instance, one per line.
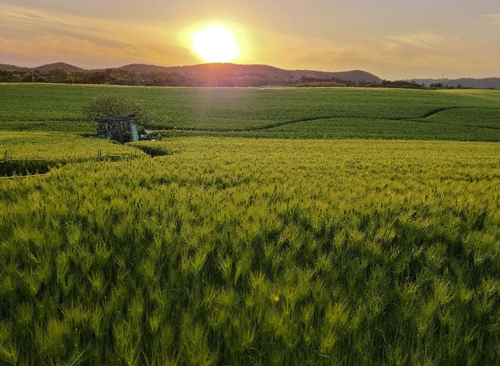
(393, 39)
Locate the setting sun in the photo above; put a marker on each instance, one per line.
(215, 43)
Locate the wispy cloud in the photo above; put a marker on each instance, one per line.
(398, 55)
(35, 35)
(33, 31)
(493, 19)
(425, 41)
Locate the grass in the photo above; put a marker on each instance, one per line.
(57, 146)
(350, 240)
(28, 152)
(256, 251)
(260, 112)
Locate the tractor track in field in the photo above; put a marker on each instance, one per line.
(418, 119)
(438, 110)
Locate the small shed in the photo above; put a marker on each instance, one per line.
(117, 127)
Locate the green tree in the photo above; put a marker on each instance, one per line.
(57, 76)
(112, 105)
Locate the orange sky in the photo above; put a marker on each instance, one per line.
(392, 39)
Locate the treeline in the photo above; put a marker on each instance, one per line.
(128, 77)
(312, 82)
(161, 78)
(406, 84)
(411, 84)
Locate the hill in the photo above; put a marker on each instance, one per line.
(229, 69)
(58, 65)
(222, 70)
(13, 68)
(42, 69)
(215, 70)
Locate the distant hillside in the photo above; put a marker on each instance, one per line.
(463, 82)
(13, 67)
(44, 68)
(222, 70)
(228, 69)
(214, 70)
(58, 65)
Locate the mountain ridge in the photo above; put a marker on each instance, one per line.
(229, 69)
(216, 70)
(44, 68)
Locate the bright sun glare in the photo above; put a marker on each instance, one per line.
(215, 43)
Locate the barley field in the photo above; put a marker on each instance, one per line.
(30, 152)
(466, 115)
(243, 251)
(239, 248)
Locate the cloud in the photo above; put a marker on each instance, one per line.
(493, 19)
(425, 41)
(29, 31)
(34, 35)
(393, 56)
(348, 53)
(423, 49)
